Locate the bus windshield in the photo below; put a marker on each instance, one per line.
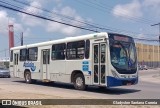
(123, 54)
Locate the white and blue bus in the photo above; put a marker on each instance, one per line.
(100, 59)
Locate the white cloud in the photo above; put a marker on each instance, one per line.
(5, 20)
(18, 27)
(129, 10)
(27, 32)
(30, 20)
(42, 1)
(153, 5)
(58, 2)
(67, 11)
(141, 35)
(52, 26)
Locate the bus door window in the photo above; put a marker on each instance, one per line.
(16, 59)
(103, 60)
(46, 57)
(99, 57)
(96, 62)
(96, 54)
(103, 52)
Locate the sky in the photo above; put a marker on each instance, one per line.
(132, 17)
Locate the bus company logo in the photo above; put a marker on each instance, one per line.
(30, 65)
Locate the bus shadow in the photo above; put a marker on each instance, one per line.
(113, 91)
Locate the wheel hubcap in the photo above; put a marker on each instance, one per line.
(79, 81)
(27, 77)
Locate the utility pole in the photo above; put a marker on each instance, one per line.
(22, 39)
(159, 44)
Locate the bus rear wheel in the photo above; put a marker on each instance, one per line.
(79, 82)
(27, 76)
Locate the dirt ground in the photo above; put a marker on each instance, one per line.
(12, 92)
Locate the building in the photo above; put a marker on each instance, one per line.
(148, 54)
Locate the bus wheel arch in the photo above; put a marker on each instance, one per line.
(78, 79)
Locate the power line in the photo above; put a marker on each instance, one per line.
(6, 29)
(159, 30)
(94, 25)
(144, 39)
(68, 17)
(140, 39)
(108, 10)
(41, 17)
(101, 28)
(1, 51)
(108, 7)
(55, 13)
(71, 18)
(60, 21)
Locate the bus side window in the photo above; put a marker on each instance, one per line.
(33, 54)
(23, 54)
(87, 48)
(58, 51)
(75, 50)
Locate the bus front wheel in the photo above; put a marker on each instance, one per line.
(79, 82)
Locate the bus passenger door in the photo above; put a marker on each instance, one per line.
(99, 63)
(15, 73)
(45, 63)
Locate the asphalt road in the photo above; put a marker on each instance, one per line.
(147, 88)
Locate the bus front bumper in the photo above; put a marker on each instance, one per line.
(112, 82)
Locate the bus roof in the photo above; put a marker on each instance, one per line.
(67, 39)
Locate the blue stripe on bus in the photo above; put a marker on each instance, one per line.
(111, 81)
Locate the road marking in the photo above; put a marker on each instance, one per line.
(150, 79)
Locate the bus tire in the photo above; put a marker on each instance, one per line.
(27, 77)
(79, 82)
